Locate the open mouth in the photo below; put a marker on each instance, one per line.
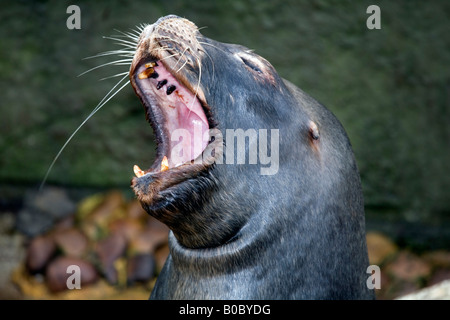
(180, 119)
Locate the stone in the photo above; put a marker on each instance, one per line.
(161, 255)
(108, 251)
(72, 242)
(440, 291)
(41, 210)
(148, 240)
(56, 274)
(40, 250)
(408, 267)
(12, 255)
(140, 267)
(135, 211)
(126, 227)
(438, 258)
(379, 247)
(439, 276)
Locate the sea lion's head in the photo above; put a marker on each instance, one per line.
(194, 89)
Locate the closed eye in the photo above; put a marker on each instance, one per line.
(251, 65)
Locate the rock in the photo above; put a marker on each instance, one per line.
(439, 276)
(65, 223)
(135, 211)
(108, 251)
(42, 210)
(39, 252)
(72, 242)
(440, 291)
(56, 273)
(95, 223)
(161, 255)
(401, 288)
(408, 267)
(32, 222)
(12, 254)
(104, 212)
(380, 248)
(148, 240)
(439, 258)
(6, 222)
(140, 267)
(126, 227)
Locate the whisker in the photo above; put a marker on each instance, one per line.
(212, 63)
(128, 35)
(117, 62)
(99, 105)
(185, 62)
(179, 59)
(201, 28)
(124, 42)
(114, 76)
(120, 53)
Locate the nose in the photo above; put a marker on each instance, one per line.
(149, 29)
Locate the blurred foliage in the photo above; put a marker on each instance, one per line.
(388, 87)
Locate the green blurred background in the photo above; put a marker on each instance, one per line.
(388, 87)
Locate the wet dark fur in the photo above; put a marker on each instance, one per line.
(237, 234)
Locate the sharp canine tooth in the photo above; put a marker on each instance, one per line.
(137, 171)
(146, 73)
(150, 65)
(164, 164)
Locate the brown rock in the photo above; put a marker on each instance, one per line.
(379, 247)
(402, 288)
(140, 267)
(95, 223)
(40, 250)
(148, 240)
(439, 258)
(65, 223)
(126, 227)
(72, 242)
(161, 255)
(408, 267)
(113, 201)
(57, 275)
(135, 211)
(108, 251)
(439, 276)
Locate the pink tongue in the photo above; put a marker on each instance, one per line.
(186, 120)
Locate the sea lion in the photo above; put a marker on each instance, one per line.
(295, 232)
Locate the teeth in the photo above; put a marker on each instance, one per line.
(146, 73)
(137, 171)
(150, 65)
(164, 164)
